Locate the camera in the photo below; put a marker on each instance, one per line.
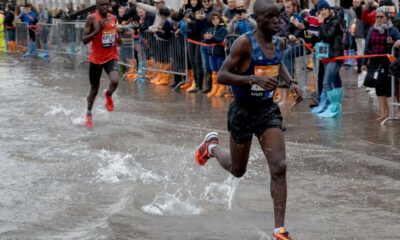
(370, 3)
(241, 11)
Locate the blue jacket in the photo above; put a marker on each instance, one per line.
(219, 34)
(25, 18)
(182, 25)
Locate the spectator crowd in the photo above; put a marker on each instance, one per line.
(323, 32)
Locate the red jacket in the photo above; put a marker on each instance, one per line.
(368, 17)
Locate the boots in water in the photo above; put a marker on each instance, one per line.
(214, 85)
(334, 109)
(207, 82)
(45, 52)
(323, 103)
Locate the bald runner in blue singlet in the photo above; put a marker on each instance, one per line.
(252, 69)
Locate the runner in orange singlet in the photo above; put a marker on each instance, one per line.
(101, 30)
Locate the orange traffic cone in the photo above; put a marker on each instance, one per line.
(214, 85)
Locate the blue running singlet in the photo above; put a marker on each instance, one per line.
(260, 65)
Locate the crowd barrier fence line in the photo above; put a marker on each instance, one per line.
(62, 39)
(167, 55)
(394, 102)
(300, 52)
(22, 36)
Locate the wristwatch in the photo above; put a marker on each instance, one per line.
(251, 79)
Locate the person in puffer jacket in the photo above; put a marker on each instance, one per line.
(242, 22)
(215, 36)
(330, 33)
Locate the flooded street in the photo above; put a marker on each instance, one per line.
(133, 176)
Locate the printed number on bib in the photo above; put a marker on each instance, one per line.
(270, 71)
(108, 39)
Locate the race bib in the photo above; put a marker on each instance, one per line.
(108, 39)
(271, 71)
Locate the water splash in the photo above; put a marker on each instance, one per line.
(264, 236)
(123, 166)
(56, 110)
(78, 121)
(180, 203)
(221, 193)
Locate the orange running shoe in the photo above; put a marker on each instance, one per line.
(109, 101)
(88, 121)
(283, 234)
(202, 153)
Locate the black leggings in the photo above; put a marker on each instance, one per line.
(196, 63)
(32, 35)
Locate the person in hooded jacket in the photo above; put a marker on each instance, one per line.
(215, 35)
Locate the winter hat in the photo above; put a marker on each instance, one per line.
(323, 5)
(387, 3)
(390, 6)
(383, 10)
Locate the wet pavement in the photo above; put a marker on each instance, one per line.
(133, 176)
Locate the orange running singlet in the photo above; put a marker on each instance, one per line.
(104, 44)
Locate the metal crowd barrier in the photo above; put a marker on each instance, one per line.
(46, 38)
(297, 51)
(168, 55)
(128, 53)
(58, 57)
(178, 51)
(65, 39)
(394, 102)
(164, 51)
(22, 36)
(71, 38)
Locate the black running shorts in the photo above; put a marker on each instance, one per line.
(96, 69)
(246, 119)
